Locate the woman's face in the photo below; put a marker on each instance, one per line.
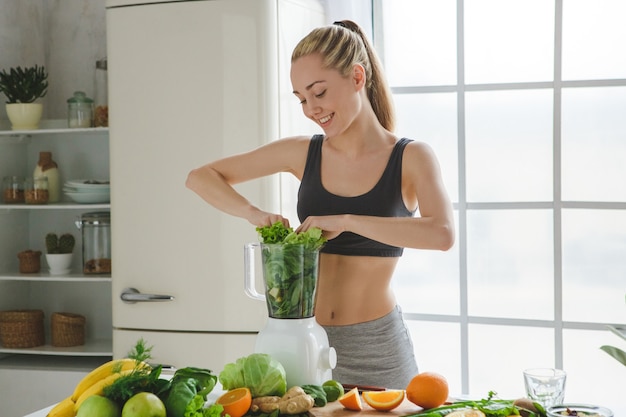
(327, 98)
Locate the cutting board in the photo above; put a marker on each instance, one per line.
(335, 409)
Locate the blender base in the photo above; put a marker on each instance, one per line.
(301, 346)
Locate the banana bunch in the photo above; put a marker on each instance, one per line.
(93, 384)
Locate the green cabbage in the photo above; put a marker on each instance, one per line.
(259, 372)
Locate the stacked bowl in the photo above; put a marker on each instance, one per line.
(88, 191)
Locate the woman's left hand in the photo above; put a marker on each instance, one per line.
(332, 226)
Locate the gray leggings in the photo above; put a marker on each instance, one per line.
(376, 353)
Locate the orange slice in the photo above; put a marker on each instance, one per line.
(236, 402)
(384, 400)
(351, 400)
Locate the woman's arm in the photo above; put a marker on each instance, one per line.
(213, 182)
(422, 187)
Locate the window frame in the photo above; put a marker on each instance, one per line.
(463, 206)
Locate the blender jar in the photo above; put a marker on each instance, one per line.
(96, 234)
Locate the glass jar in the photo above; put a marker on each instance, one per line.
(79, 110)
(101, 117)
(13, 190)
(36, 190)
(96, 234)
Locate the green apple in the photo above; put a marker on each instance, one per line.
(144, 404)
(98, 406)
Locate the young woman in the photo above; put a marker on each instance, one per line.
(362, 186)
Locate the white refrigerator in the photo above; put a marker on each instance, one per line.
(189, 82)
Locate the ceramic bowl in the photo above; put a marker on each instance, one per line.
(578, 410)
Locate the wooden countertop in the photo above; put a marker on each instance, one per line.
(335, 409)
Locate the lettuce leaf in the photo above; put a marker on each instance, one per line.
(312, 239)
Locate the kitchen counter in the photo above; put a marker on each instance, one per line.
(334, 409)
(41, 413)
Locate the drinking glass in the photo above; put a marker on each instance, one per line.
(545, 385)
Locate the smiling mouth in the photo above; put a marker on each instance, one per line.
(326, 119)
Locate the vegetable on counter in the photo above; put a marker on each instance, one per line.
(295, 401)
(188, 388)
(490, 406)
(183, 395)
(259, 372)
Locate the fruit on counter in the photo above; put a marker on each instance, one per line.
(384, 400)
(427, 390)
(295, 401)
(328, 392)
(98, 387)
(333, 390)
(101, 372)
(144, 404)
(351, 400)
(64, 408)
(98, 406)
(235, 402)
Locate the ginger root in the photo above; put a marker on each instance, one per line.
(295, 401)
(265, 404)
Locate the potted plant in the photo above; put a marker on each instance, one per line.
(22, 87)
(59, 251)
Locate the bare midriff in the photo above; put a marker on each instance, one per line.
(353, 289)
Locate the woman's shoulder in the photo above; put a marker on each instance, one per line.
(420, 156)
(418, 147)
(294, 143)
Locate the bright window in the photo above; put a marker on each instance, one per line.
(523, 102)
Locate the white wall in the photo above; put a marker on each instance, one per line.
(67, 37)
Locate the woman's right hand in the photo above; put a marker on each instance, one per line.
(260, 218)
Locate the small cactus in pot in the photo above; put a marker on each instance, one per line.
(59, 253)
(63, 244)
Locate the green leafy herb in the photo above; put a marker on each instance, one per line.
(140, 352)
(290, 269)
(139, 380)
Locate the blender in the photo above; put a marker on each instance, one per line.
(292, 336)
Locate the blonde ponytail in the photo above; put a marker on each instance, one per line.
(342, 45)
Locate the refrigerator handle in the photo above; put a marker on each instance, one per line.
(132, 295)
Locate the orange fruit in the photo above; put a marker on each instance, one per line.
(427, 390)
(236, 402)
(351, 400)
(384, 400)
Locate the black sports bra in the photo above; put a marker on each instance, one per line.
(384, 200)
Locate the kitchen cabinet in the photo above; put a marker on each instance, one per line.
(80, 154)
